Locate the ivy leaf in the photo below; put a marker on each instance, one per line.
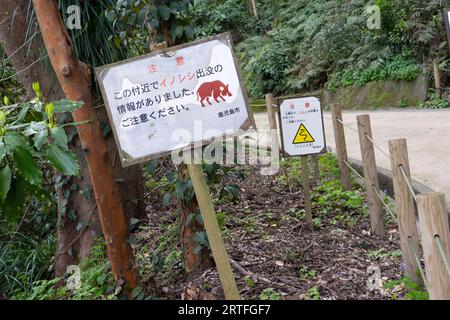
(2, 149)
(23, 113)
(154, 23)
(60, 136)
(13, 139)
(179, 31)
(201, 238)
(13, 204)
(67, 105)
(197, 249)
(190, 32)
(27, 166)
(40, 138)
(164, 11)
(5, 182)
(34, 128)
(232, 190)
(166, 199)
(152, 11)
(63, 160)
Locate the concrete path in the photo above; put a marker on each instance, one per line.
(427, 133)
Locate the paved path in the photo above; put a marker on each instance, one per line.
(427, 133)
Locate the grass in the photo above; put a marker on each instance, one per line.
(23, 260)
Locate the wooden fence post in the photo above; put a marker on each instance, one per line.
(437, 78)
(406, 211)
(275, 144)
(314, 162)
(434, 223)
(213, 231)
(306, 190)
(270, 102)
(370, 175)
(341, 147)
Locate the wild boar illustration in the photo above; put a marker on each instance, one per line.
(216, 89)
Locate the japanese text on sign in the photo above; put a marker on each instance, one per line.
(301, 126)
(171, 100)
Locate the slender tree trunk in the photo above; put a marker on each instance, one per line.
(74, 78)
(23, 56)
(194, 260)
(73, 243)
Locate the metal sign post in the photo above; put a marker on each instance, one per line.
(302, 134)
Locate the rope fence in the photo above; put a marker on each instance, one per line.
(377, 146)
(367, 136)
(352, 169)
(347, 126)
(386, 205)
(431, 209)
(417, 259)
(408, 183)
(442, 253)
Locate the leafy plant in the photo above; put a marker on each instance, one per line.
(312, 294)
(270, 294)
(400, 67)
(96, 281)
(383, 253)
(306, 273)
(413, 291)
(303, 45)
(156, 16)
(435, 102)
(30, 139)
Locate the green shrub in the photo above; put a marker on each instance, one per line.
(96, 281)
(303, 45)
(400, 67)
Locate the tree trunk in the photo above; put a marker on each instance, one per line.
(194, 260)
(74, 78)
(73, 244)
(13, 29)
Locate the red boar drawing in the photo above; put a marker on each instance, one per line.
(216, 89)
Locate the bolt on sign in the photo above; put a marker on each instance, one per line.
(301, 126)
(175, 99)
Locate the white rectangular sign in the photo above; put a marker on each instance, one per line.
(301, 125)
(172, 99)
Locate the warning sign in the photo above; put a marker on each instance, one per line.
(174, 99)
(301, 125)
(303, 135)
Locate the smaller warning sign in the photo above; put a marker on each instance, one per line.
(301, 125)
(303, 135)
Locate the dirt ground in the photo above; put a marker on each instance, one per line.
(274, 254)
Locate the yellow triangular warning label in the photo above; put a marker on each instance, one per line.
(303, 135)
